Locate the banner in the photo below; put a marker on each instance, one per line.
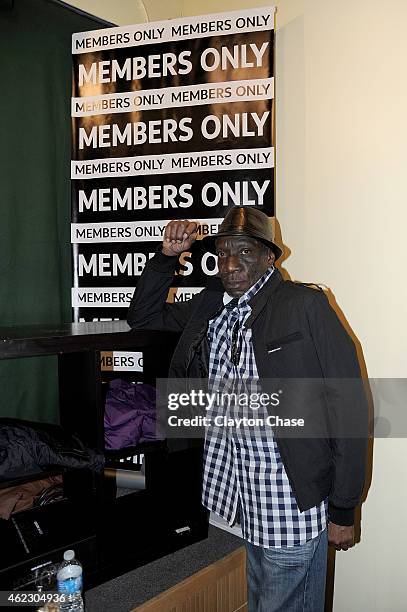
(170, 120)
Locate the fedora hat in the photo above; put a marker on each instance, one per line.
(244, 221)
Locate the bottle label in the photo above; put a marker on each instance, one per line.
(70, 585)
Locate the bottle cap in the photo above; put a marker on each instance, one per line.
(69, 555)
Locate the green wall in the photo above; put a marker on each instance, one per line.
(35, 251)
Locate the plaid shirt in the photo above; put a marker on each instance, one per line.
(242, 470)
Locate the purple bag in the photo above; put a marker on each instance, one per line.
(130, 414)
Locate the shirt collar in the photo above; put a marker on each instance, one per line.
(246, 297)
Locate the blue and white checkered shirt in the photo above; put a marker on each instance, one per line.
(242, 470)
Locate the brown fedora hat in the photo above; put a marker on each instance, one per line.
(244, 221)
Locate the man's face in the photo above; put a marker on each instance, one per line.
(241, 262)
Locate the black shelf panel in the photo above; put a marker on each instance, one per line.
(129, 451)
(37, 340)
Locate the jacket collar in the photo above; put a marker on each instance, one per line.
(259, 300)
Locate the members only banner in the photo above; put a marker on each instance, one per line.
(171, 120)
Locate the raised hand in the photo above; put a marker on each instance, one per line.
(179, 236)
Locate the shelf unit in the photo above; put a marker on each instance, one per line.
(110, 534)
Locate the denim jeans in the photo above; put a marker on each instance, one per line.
(289, 579)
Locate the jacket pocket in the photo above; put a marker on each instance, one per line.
(279, 343)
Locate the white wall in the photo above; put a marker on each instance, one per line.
(124, 12)
(341, 202)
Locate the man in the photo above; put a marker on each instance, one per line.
(292, 494)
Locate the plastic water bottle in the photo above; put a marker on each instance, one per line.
(69, 579)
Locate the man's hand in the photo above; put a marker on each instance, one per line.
(341, 537)
(179, 236)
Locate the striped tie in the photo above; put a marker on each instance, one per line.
(235, 348)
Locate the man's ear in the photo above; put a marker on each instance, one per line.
(271, 257)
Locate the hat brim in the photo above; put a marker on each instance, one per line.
(209, 241)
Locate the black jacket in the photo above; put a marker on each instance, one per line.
(312, 344)
(28, 448)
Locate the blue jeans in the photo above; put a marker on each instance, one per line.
(289, 579)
